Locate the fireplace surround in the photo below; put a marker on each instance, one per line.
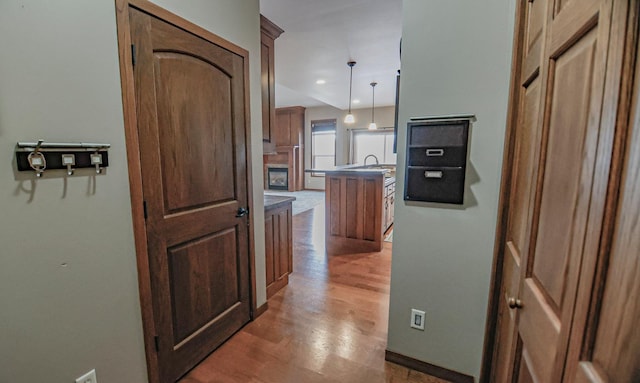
(277, 178)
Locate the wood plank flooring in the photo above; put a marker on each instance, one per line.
(328, 325)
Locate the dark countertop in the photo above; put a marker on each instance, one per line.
(276, 201)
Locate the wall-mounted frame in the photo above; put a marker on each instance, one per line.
(437, 158)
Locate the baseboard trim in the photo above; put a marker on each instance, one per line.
(427, 368)
(260, 310)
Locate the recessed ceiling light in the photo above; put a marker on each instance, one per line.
(321, 82)
(356, 101)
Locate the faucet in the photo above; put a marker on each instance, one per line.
(374, 157)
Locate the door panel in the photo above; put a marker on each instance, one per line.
(524, 372)
(608, 343)
(271, 247)
(279, 250)
(371, 224)
(564, 47)
(203, 286)
(535, 24)
(572, 103)
(190, 96)
(193, 131)
(560, 4)
(566, 189)
(534, 40)
(539, 328)
(526, 145)
(504, 357)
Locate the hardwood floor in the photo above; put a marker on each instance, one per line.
(328, 325)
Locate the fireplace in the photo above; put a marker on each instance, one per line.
(278, 178)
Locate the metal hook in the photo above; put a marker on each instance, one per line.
(96, 159)
(69, 160)
(37, 162)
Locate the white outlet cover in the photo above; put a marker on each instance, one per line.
(89, 377)
(417, 319)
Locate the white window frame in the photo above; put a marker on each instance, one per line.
(324, 124)
(352, 142)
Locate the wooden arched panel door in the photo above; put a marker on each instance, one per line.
(190, 106)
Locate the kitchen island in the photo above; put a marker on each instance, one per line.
(358, 207)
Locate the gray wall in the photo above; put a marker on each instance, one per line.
(455, 59)
(384, 117)
(68, 279)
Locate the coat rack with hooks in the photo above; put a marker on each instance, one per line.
(40, 156)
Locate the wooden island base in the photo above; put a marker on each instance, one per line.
(357, 210)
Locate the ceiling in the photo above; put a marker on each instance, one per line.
(320, 36)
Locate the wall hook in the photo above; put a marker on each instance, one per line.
(96, 159)
(36, 160)
(69, 160)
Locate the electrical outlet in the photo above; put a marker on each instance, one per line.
(89, 377)
(417, 319)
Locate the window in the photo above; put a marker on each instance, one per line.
(376, 142)
(323, 145)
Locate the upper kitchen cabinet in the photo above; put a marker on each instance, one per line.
(269, 32)
(289, 126)
(288, 136)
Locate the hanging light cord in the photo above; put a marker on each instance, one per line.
(351, 64)
(373, 99)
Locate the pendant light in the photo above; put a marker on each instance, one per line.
(349, 119)
(372, 125)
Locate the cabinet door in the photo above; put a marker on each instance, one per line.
(267, 85)
(391, 209)
(271, 244)
(282, 133)
(278, 248)
(385, 218)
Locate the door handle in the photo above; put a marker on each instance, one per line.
(514, 303)
(242, 212)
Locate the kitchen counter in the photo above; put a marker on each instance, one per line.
(387, 170)
(275, 201)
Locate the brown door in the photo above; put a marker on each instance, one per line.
(526, 139)
(559, 107)
(190, 99)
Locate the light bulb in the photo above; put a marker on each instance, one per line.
(349, 119)
(373, 126)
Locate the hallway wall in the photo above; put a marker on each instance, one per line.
(68, 279)
(456, 58)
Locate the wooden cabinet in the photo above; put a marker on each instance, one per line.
(389, 203)
(268, 33)
(278, 242)
(566, 306)
(288, 138)
(357, 211)
(289, 126)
